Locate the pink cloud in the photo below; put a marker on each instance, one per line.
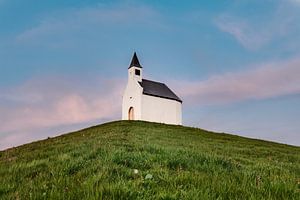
(265, 81)
(52, 102)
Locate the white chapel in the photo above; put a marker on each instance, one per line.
(149, 100)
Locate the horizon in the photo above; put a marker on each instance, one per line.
(235, 65)
(120, 120)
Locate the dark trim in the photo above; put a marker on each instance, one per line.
(163, 97)
(135, 66)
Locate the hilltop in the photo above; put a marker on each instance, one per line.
(143, 160)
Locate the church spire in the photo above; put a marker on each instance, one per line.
(135, 62)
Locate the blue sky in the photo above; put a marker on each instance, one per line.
(235, 64)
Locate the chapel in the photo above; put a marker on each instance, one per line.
(149, 100)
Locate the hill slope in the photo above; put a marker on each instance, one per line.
(173, 162)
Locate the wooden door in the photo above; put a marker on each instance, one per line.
(131, 113)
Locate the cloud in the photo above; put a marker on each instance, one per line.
(91, 19)
(265, 81)
(42, 104)
(279, 23)
(295, 1)
(246, 35)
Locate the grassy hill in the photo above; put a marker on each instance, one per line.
(142, 160)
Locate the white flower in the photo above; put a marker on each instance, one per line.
(135, 171)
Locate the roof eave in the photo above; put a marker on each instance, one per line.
(153, 95)
(135, 66)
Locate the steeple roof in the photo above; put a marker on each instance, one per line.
(135, 61)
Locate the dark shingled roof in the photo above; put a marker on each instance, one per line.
(135, 62)
(157, 89)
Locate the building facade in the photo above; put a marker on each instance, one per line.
(149, 100)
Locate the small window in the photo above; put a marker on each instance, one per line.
(137, 72)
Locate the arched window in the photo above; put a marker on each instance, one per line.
(131, 114)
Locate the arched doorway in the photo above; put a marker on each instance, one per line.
(131, 114)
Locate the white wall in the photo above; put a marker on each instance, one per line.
(148, 108)
(156, 109)
(132, 96)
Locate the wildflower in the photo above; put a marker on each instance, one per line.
(135, 171)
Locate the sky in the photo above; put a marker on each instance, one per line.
(235, 64)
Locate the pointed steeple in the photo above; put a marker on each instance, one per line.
(135, 62)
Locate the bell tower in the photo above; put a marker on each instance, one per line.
(135, 69)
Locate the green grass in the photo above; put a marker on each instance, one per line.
(185, 163)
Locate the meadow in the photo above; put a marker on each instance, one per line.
(143, 160)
